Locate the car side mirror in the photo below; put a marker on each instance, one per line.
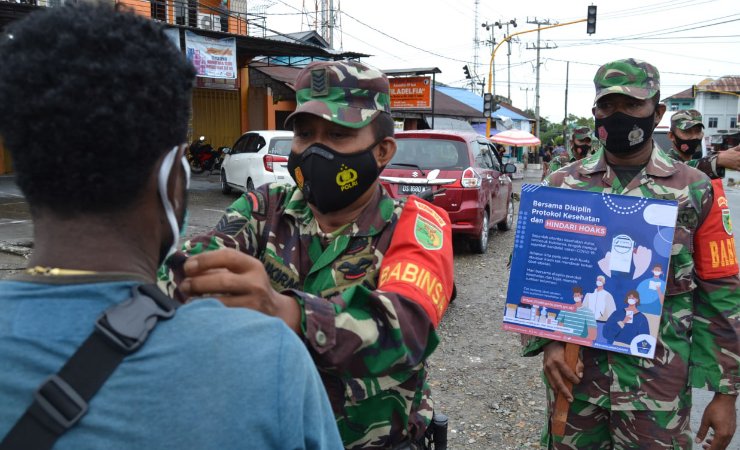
(226, 150)
(509, 168)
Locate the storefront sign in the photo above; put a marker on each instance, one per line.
(590, 268)
(213, 58)
(411, 93)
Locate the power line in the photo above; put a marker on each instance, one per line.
(400, 41)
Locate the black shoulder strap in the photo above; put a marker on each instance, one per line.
(61, 401)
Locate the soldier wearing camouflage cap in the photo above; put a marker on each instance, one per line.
(580, 146)
(686, 134)
(362, 278)
(620, 401)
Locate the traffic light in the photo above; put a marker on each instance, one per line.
(467, 71)
(487, 104)
(591, 20)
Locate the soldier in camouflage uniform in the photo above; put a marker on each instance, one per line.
(580, 147)
(687, 131)
(363, 279)
(621, 401)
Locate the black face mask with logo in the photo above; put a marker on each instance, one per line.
(687, 146)
(331, 180)
(581, 150)
(623, 134)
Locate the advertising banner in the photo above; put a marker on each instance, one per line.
(411, 93)
(213, 58)
(590, 268)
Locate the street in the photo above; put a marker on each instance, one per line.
(494, 398)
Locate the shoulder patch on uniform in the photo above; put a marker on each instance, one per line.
(428, 234)
(423, 207)
(258, 202)
(230, 227)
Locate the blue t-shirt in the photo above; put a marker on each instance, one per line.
(209, 378)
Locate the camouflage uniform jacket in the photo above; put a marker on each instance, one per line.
(706, 164)
(369, 345)
(699, 338)
(561, 161)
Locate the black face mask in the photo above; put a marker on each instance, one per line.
(687, 146)
(331, 180)
(623, 134)
(580, 151)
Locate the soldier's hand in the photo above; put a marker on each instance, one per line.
(237, 280)
(720, 417)
(557, 370)
(730, 158)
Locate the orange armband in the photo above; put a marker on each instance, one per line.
(714, 243)
(418, 263)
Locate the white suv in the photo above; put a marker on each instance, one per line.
(257, 157)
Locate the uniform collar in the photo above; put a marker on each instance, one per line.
(372, 220)
(659, 165)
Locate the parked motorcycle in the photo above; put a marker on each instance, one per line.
(201, 156)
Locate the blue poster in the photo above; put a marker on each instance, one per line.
(590, 268)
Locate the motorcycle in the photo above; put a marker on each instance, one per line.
(201, 156)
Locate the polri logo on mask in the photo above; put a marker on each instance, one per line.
(346, 178)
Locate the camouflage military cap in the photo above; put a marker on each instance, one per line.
(630, 77)
(683, 120)
(347, 93)
(582, 133)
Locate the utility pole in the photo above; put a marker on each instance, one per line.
(488, 133)
(500, 24)
(328, 21)
(476, 42)
(492, 43)
(539, 24)
(526, 94)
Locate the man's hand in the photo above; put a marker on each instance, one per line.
(237, 280)
(730, 158)
(556, 370)
(720, 417)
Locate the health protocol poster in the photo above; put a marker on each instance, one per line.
(590, 268)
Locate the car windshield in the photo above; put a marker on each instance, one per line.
(280, 146)
(431, 154)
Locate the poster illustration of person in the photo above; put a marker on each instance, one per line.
(587, 268)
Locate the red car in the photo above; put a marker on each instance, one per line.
(477, 188)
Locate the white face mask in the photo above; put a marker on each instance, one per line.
(165, 170)
(576, 299)
(599, 283)
(631, 301)
(657, 273)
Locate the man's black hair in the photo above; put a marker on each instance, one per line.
(383, 126)
(90, 98)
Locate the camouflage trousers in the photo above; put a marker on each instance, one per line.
(591, 427)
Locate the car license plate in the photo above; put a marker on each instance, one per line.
(411, 188)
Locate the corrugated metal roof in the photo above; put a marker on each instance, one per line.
(727, 84)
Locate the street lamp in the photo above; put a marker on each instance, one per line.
(492, 43)
(508, 54)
